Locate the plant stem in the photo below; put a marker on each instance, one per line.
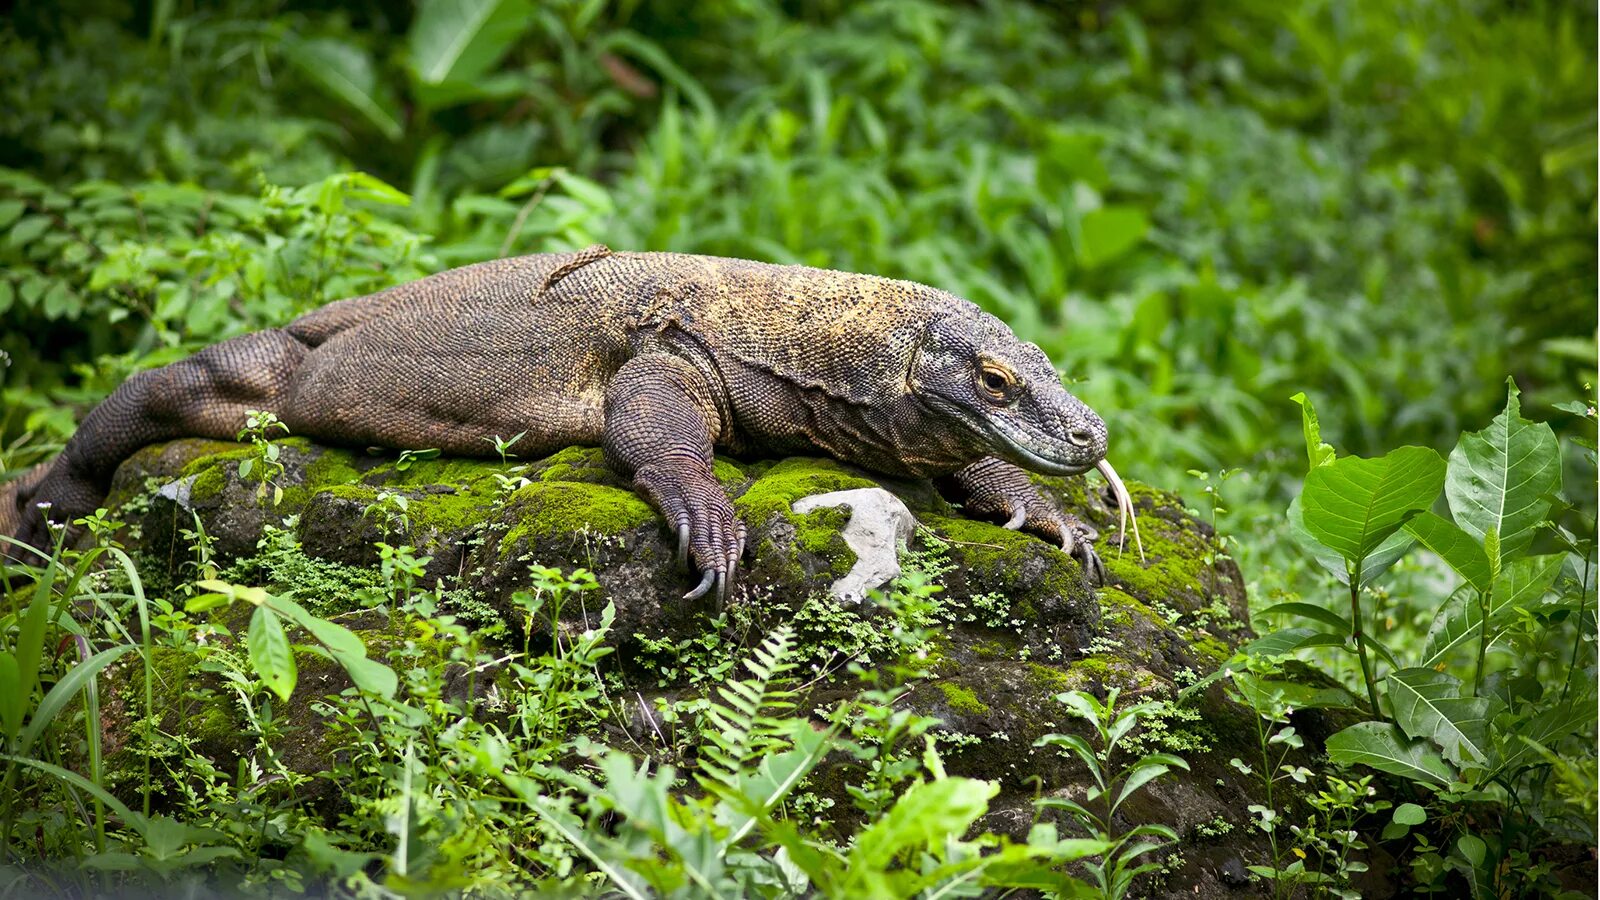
(1361, 647)
(1577, 639)
(1483, 641)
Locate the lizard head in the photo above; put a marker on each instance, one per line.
(1005, 392)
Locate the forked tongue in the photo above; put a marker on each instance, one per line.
(1125, 513)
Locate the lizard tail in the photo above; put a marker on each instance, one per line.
(14, 496)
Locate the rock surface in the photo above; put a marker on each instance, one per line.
(879, 530)
(1018, 624)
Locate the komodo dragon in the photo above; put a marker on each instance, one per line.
(660, 358)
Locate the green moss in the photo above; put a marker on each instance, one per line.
(331, 467)
(1048, 680)
(818, 532)
(728, 473)
(993, 554)
(776, 489)
(962, 699)
(1119, 609)
(560, 507)
(208, 484)
(205, 714)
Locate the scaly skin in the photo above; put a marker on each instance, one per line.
(660, 358)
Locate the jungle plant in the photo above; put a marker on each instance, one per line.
(1115, 868)
(266, 463)
(1447, 721)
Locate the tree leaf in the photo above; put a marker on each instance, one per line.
(270, 654)
(1383, 746)
(1429, 704)
(345, 73)
(1338, 623)
(930, 812)
(1376, 563)
(459, 41)
(1548, 727)
(1352, 504)
(1459, 550)
(1522, 582)
(1289, 640)
(1499, 477)
(1110, 232)
(1317, 452)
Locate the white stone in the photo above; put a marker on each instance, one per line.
(880, 527)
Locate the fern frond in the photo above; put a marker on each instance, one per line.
(742, 725)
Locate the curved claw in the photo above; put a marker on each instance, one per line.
(1018, 518)
(683, 546)
(704, 585)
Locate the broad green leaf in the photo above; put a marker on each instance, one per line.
(927, 813)
(1261, 692)
(1338, 623)
(1549, 727)
(1458, 549)
(345, 73)
(1410, 814)
(1500, 477)
(1383, 746)
(342, 646)
(1429, 704)
(1289, 640)
(1376, 563)
(1317, 452)
(1520, 585)
(459, 41)
(270, 654)
(1352, 504)
(1110, 232)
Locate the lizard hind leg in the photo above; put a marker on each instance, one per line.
(206, 395)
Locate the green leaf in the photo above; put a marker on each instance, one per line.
(1376, 563)
(1289, 640)
(1352, 504)
(1458, 549)
(10, 211)
(1338, 623)
(64, 690)
(1383, 746)
(1260, 692)
(927, 813)
(1501, 476)
(459, 41)
(1429, 704)
(345, 73)
(1109, 233)
(1521, 583)
(270, 654)
(1549, 727)
(12, 701)
(1410, 814)
(1317, 452)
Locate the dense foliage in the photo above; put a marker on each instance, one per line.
(1198, 209)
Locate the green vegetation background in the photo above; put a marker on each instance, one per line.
(1197, 209)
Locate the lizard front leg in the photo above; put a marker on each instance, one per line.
(660, 422)
(1001, 490)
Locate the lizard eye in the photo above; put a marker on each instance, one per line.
(996, 382)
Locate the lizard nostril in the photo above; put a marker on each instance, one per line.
(1081, 437)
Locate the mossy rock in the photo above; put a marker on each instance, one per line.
(1019, 625)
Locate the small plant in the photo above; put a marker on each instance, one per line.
(1118, 865)
(266, 464)
(410, 457)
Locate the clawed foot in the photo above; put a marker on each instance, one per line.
(710, 534)
(1002, 491)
